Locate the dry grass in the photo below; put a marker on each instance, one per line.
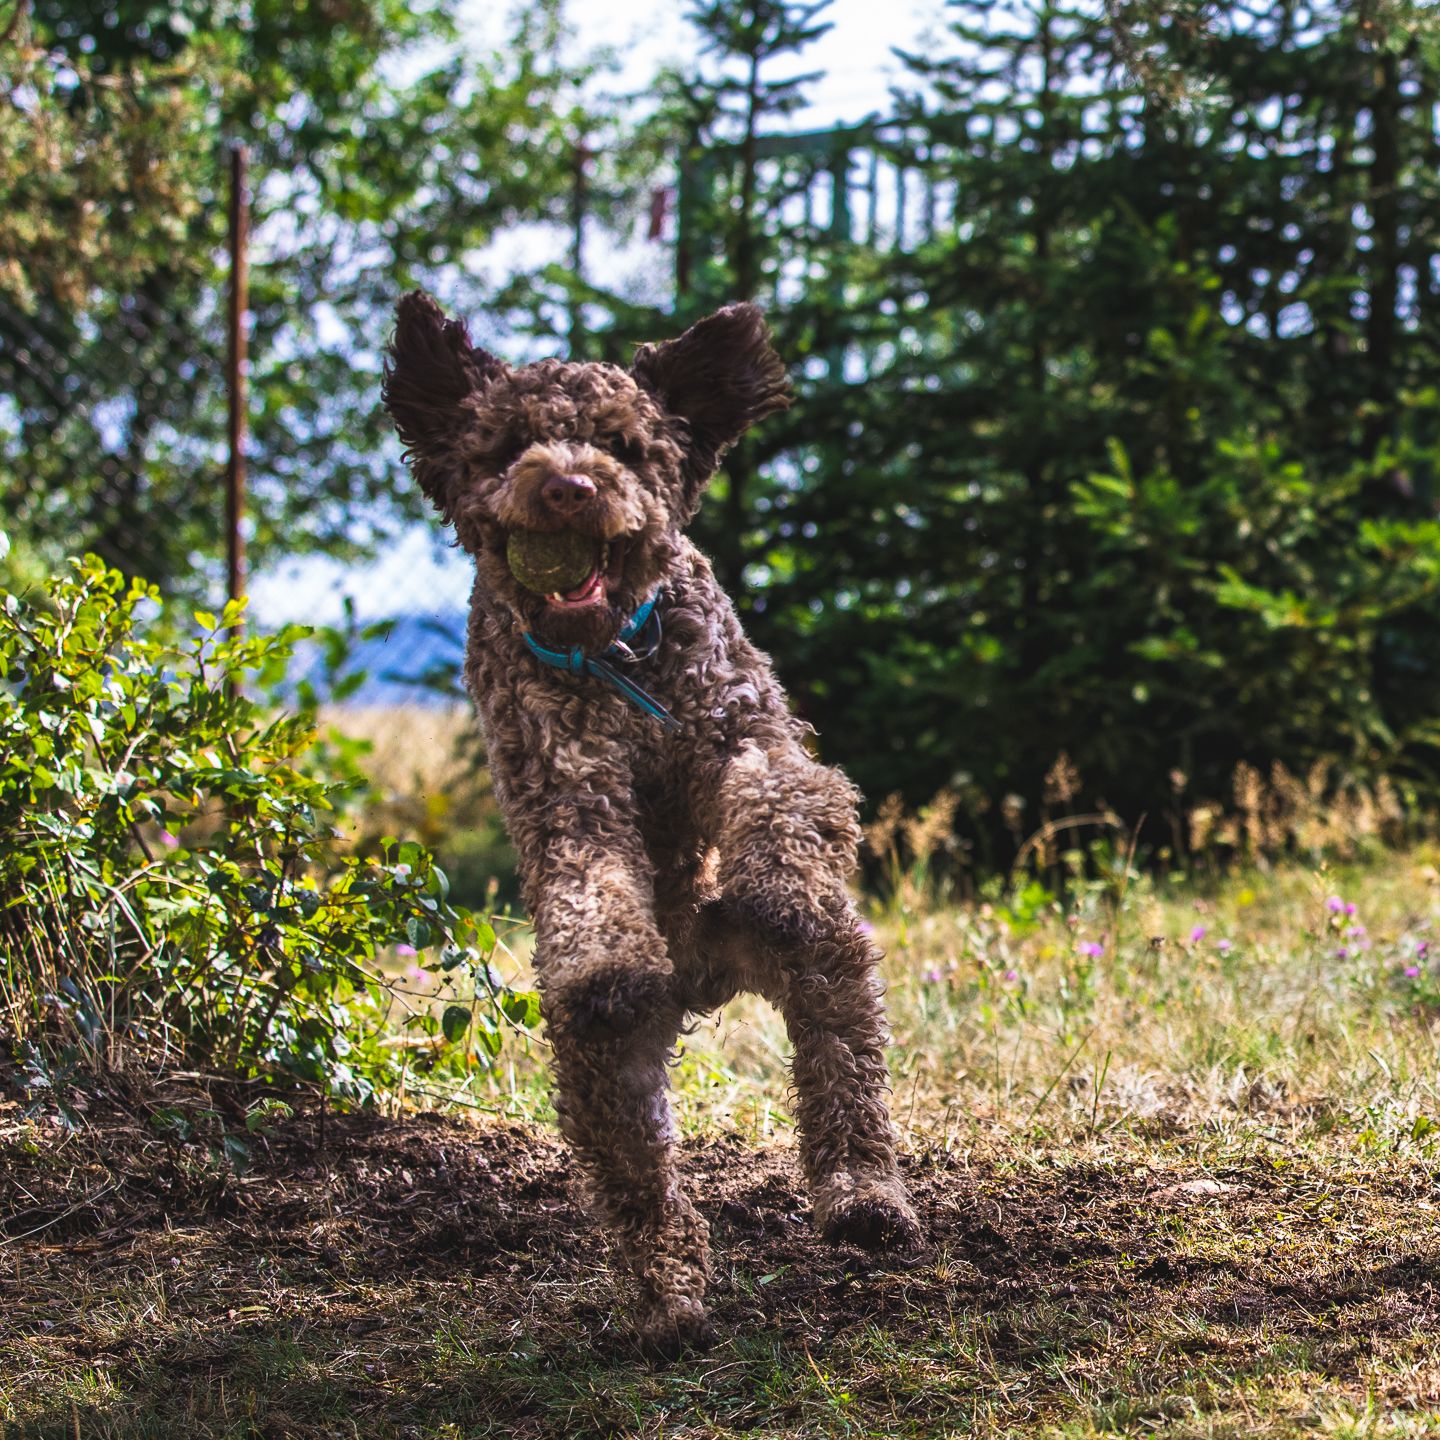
(1249, 1007)
(414, 750)
(425, 765)
(1003, 1021)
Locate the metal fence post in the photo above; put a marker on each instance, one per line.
(579, 205)
(235, 377)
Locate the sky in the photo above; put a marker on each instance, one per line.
(422, 573)
(855, 54)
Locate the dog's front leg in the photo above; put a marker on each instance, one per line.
(608, 996)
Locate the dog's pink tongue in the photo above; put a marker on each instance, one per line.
(583, 592)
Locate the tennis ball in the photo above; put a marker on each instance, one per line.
(550, 562)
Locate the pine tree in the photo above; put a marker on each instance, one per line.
(1134, 457)
(1174, 358)
(735, 180)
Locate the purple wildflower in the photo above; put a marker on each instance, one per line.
(405, 950)
(1224, 946)
(1092, 948)
(1342, 953)
(1011, 976)
(1422, 949)
(1412, 971)
(1197, 934)
(932, 975)
(1350, 908)
(168, 840)
(1334, 904)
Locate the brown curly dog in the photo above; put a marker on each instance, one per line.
(677, 844)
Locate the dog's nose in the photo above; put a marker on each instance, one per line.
(567, 493)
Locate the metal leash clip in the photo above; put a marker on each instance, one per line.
(620, 650)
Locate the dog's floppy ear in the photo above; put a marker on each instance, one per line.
(719, 377)
(430, 368)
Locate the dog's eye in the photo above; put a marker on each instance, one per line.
(626, 451)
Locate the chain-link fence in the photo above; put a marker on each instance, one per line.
(123, 432)
(402, 613)
(107, 423)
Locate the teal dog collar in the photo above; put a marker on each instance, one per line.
(638, 640)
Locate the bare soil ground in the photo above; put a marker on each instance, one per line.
(430, 1277)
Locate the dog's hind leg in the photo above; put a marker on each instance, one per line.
(788, 844)
(829, 994)
(608, 998)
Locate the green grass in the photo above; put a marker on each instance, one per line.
(1004, 1025)
(1174, 1189)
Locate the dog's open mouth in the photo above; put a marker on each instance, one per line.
(569, 569)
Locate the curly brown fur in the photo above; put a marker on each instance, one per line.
(666, 872)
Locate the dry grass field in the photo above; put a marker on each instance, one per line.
(1175, 1148)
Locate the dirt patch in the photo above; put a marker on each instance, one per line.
(430, 1195)
(431, 1261)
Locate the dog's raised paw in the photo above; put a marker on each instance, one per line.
(786, 921)
(610, 1000)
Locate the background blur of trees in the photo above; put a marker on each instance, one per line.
(381, 151)
(1120, 441)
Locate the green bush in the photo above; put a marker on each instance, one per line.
(173, 886)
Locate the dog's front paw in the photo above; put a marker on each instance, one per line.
(610, 1000)
(873, 1212)
(786, 918)
(667, 1328)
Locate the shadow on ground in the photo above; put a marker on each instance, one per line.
(425, 1277)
